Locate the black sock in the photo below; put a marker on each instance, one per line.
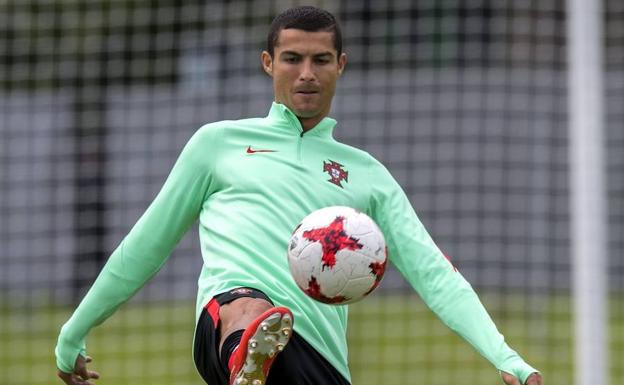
(230, 343)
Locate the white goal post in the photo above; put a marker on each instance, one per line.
(587, 187)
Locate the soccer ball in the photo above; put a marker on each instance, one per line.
(337, 255)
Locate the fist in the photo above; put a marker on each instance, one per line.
(534, 379)
(81, 375)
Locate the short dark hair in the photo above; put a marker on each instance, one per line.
(307, 18)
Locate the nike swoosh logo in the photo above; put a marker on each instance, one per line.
(251, 151)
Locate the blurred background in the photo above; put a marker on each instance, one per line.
(464, 101)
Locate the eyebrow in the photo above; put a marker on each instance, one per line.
(326, 53)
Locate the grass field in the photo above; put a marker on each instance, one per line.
(393, 340)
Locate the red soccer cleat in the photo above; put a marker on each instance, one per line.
(260, 343)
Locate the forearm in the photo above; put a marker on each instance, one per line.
(462, 311)
(117, 282)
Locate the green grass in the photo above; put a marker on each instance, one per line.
(393, 340)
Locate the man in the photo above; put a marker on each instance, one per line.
(250, 182)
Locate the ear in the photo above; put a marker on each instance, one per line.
(342, 62)
(267, 63)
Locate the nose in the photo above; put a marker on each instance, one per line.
(307, 71)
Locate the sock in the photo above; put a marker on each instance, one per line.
(229, 346)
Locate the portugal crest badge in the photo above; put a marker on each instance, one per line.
(336, 172)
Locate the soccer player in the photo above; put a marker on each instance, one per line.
(249, 182)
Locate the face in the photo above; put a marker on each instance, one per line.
(304, 68)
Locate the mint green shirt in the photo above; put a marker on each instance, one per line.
(250, 182)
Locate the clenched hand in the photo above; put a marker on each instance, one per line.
(81, 375)
(534, 379)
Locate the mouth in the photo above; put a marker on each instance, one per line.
(306, 92)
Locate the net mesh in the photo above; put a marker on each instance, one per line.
(465, 102)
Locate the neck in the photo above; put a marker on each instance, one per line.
(308, 123)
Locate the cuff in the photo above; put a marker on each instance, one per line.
(67, 352)
(518, 368)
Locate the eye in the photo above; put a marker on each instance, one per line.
(322, 60)
(291, 59)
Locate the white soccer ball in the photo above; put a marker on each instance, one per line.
(337, 255)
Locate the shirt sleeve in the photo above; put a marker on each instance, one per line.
(445, 291)
(147, 246)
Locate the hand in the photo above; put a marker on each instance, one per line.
(534, 379)
(81, 375)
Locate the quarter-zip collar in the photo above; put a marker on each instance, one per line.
(283, 118)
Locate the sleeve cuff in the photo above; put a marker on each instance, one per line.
(67, 353)
(518, 368)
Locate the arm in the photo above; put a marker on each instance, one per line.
(438, 283)
(146, 247)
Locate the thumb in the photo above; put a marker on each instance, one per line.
(508, 379)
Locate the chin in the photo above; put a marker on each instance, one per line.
(307, 111)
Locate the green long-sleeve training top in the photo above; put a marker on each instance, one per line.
(250, 182)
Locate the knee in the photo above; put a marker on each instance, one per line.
(242, 311)
(257, 306)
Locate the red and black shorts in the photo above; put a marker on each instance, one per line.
(298, 364)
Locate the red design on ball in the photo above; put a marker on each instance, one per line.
(314, 291)
(333, 238)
